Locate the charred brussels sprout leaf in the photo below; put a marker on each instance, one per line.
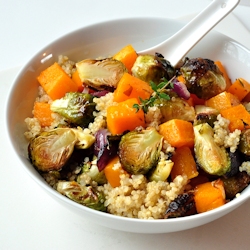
(180, 206)
(101, 74)
(203, 78)
(152, 68)
(76, 108)
(85, 195)
(139, 150)
(50, 150)
(236, 161)
(211, 158)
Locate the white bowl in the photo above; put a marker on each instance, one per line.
(105, 39)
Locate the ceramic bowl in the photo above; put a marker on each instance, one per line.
(104, 39)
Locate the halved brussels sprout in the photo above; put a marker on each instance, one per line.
(75, 107)
(176, 108)
(162, 170)
(50, 150)
(203, 77)
(139, 150)
(212, 158)
(85, 195)
(152, 68)
(101, 74)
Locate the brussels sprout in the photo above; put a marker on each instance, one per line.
(235, 184)
(244, 145)
(205, 114)
(91, 169)
(211, 158)
(101, 74)
(162, 170)
(176, 108)
(77, 108)
(203, 77)
(85, 195)
(84, 139)
(50, 150)
(139, 150)
(152, 68)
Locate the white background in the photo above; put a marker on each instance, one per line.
(29, 219)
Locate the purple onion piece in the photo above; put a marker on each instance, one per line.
(181, 90)
(100, 93)
(103, 149)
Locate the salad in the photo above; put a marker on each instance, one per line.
(131, 135)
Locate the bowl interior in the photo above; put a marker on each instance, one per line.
(105, 39)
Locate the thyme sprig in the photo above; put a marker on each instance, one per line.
(159, 93)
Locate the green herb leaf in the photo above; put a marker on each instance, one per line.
(164, 96)
(153, 86)
(161, 85)
(157, 94)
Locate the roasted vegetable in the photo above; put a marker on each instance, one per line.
(236, 161)
(178, 133)
(131, 87)
(101, 74)
(77, 108)
(43, 113)
(235, 184)
(203, 77)
(184, 163)
(162, 170)
(244, 145)
(175, 108)
(180, 89)
(85, 195)
(222, 101)
(152, 68)
(113, 171)
(180, 206)
(90, 168)
(50, 150)
(56, 82)
(205, 114)
(223, 70)
(127, 55)
(139, 150)
(240, 88)
(124, 117)
(211, 158)
(105, 147)
(238, 116)
(209, 195)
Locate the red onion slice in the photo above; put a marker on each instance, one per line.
(181, 90)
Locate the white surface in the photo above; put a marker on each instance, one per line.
(29, 219)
